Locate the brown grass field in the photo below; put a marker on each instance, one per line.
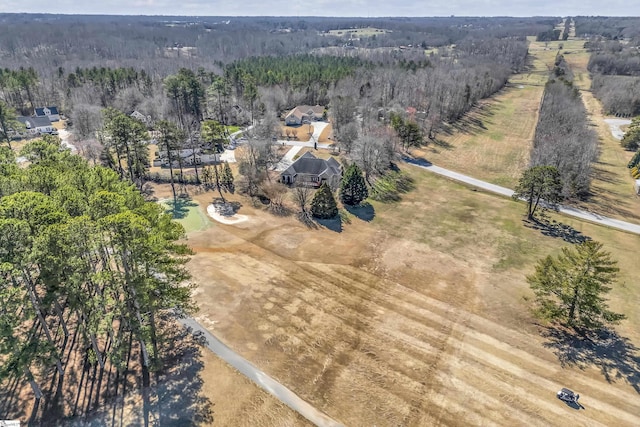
(416, 317)
(493, 141)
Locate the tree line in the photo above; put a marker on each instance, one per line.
(87, 265)
(563, 138)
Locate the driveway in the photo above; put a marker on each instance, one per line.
(287, 159)
(318, 127)
(614, 125)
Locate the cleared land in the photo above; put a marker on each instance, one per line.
(357, 32)
(493, 141)
(416, 317)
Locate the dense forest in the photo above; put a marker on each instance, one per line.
(89, 270)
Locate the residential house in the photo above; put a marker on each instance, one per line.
(311, 171)
(188, 157)
(304, 113)
(37, 125)
(51, 112)
(140, 117)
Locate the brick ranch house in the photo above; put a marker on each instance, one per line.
(310, 171)
(304, 113)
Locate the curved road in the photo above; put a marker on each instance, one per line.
(588, 216)
(263, 380)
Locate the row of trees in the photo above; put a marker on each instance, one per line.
(82, 253)
(615, 68)
(563, 138)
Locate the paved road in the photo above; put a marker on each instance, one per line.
(263, 380)
(588, 216)
(303, 144)
(614, 125)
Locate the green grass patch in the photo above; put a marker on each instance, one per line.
(188, 213)
(232, 129)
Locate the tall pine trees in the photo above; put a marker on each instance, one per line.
(83, 254)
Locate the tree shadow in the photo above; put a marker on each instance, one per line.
(364, 211)
(333, 224)
(420, 161)
(558, 230)
(226, 207)
(180, 400)
(180, 209)
(175, 397)
(615, 356)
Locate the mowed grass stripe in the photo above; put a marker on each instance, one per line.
(470, 352)
(471, 324)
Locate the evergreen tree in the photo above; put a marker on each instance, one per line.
(324, 205)
(81, 250)
(536, 184)
(570, 288)
(7, 122)
(353, 188)
(227, 176)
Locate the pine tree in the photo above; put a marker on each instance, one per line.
(536, 184)
(227, 176)
(323, 205)
(570, 289)
(353, 188)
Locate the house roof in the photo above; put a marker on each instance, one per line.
(41, 111)
(309, 164)
(306, 110)
(34, 122)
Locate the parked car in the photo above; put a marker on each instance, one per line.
(568, 396)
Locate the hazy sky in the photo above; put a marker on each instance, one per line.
(330, 7)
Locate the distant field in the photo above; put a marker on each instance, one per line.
(357, 32)
(611, 185)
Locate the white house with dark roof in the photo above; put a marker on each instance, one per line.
(51, 112)
(311, 171)
(37, 125)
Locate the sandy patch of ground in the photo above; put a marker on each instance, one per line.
(225, 219)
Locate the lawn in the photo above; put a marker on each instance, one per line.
(302, 133)
(232, 129)
(415, 317)
(188, 213)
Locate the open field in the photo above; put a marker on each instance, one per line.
(357, 32)
(416, 317)
(493, 141)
